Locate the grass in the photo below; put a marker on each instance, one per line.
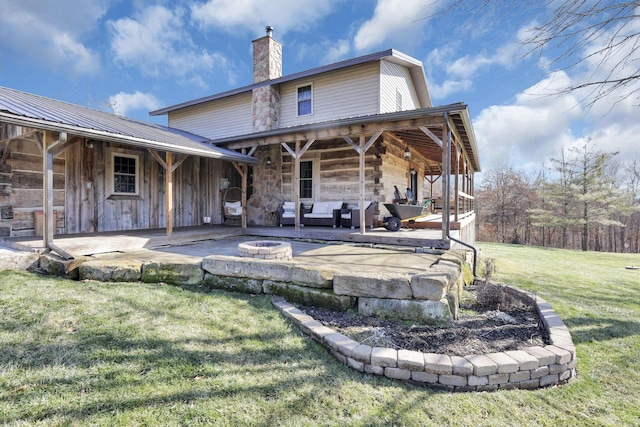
(88, 353)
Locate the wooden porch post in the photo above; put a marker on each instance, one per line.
(456, 207)
(446, 179)
(296, 184)
(361, 163)
(169, 192)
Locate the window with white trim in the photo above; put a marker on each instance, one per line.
(305, 100)
(306, 179)
(125, 173)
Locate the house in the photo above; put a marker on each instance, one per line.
(350, 131)
(68, 169)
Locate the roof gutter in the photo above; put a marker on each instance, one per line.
(361, 120)
(91, 133)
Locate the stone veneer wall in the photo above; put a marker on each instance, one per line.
(527, 368)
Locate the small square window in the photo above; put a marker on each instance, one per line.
(125, 174)
(305, 100)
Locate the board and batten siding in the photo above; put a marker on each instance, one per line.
(216, 119)
(339, 94)
(395, 81)
(91, 208)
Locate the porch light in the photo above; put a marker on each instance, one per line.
(407, 153)
(268, 160)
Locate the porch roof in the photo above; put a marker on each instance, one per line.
(407, 126)
(34, 111)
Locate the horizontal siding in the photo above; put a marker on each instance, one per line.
(345, 93)
(395, 79)
(216, 119)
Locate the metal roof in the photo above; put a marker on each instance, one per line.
(458, 114)
(415, 69)
(39, 112)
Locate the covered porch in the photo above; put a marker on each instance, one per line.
(430, 153)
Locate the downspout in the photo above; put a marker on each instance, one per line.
(447, 198)
(49, 152)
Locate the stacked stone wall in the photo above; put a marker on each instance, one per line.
(527, 368)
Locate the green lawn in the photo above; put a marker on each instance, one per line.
(88, 353)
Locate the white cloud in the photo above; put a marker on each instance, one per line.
(123, 103)
(460, 73)
(336, 51)
(532, 130)
(254, 15)
(449, 87)
(395, 21)
(51, 33)
(156, 42)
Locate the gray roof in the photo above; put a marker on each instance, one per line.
(415, 69)
(38, 112)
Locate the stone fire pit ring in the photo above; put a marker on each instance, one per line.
(265, 249)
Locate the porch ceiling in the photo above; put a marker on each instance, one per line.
(405, 126)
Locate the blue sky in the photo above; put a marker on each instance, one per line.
(132, 57)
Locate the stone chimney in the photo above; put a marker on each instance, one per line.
(267, 58)
(267, 65)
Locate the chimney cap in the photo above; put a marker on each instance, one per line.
(269, 30)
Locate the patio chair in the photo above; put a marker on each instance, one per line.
(232, 206)
(351, 217)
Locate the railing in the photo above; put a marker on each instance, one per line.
(466, 204)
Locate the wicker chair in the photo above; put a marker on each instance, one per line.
(232, 206)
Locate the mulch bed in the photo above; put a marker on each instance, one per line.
(489, 322)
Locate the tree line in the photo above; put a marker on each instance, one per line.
(586, 199)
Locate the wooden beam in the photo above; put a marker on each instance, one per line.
(158, 158)
(431, 135)
(296, 184)
(180, 161)
(169, 193)
(361, 152)
(338, 131)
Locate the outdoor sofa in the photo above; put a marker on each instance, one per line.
(323, 214)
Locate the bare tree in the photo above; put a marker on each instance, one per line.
(601, 36)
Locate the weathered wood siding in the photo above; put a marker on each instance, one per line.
(216, 119)
(21, 183)
(396, 82)
(340, 94)
(336, 175)
(92, 207)
(82, 196)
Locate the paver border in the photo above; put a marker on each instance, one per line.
(526, 368)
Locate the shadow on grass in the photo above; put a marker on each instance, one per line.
(586, 329)
(110, 365)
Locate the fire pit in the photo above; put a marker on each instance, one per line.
(265, 249)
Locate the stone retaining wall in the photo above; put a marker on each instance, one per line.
(433, 294)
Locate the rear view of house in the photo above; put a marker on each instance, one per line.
(351, 131)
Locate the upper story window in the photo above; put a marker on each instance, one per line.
(305, 100)
(125, 174)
